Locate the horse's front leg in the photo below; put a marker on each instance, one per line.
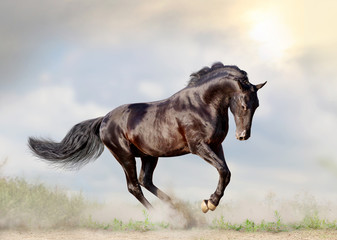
(215, 157)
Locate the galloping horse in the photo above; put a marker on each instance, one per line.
(194, 120)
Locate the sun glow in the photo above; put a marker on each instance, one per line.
(269, 31)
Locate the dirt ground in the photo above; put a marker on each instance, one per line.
(196, 234)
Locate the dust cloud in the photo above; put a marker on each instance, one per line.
(186, 215)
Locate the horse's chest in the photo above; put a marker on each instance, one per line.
(218, 132)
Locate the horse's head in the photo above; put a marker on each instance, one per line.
(243, 104)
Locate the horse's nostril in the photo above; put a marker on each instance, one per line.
(241, 135)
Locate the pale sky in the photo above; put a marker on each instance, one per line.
(62, 62)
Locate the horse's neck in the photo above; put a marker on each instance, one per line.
(218, 93)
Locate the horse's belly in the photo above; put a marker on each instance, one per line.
(159, 145)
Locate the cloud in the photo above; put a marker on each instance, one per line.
(151, 90)
(45, 108)
(30, 30)
(49, 111)
(64, 62)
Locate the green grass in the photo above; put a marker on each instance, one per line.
(118, 225)
(34, 205)
(251, 226)
(309, 222)
(25, 205)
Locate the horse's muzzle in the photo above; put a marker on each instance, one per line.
(244, 135)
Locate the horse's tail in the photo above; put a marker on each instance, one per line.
(81, 144)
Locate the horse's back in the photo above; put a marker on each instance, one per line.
(148, 128)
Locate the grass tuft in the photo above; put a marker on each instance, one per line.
(309, 222)
(26, 206)
(35, 205)
(131, 225)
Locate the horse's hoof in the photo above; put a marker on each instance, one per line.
(204, 206)
(210, 205)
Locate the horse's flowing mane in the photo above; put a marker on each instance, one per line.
(217, 70)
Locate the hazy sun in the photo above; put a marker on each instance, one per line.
(270, 32)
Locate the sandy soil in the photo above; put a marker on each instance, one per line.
(167, 234)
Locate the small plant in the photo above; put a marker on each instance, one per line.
(131, 225)
(309, 222)
(249, 226)
(312, 222)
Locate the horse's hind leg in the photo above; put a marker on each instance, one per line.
(146, 175)
(128, 163)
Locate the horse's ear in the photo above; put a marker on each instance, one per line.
(259, 86)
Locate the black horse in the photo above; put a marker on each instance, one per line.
(194, 120)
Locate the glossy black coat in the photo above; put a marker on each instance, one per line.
(194, 120)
